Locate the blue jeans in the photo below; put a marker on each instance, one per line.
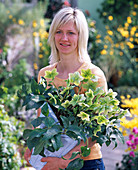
(96, 164)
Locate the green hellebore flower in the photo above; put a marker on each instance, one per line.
(90, 85)
(111, 93)
(77, 99)
(75, 78)
(87, 74)
(116, 102)
(65, 104)
(102, 120)
(51, 74)
(84, 116)
(89, 94)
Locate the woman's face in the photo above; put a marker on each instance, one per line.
(66, 39)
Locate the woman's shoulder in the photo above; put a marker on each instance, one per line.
(102, 82)
(49, 67)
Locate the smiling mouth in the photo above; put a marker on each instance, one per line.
(65, 45)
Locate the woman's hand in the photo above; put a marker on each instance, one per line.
(54, 163)
(27, 155)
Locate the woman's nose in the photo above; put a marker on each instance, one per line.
(64, 37)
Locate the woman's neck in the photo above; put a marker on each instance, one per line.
(68, 64)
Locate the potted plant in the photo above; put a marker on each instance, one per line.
(68, 113)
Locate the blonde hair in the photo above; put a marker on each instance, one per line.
(62, 17)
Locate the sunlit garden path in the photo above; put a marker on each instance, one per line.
(111, 157)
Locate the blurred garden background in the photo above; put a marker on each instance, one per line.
(113, 46)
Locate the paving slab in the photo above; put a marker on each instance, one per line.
(112, 156)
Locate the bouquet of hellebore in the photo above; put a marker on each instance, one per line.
(95, 114)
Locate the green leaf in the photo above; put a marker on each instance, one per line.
(52, 89)
(36, 133)
(45, 110)
(94, 107)
(74, 154)
(72, 92)
(96, 129)
(76, 164)
(75, 129)
(48, 121)
(114, 102)
(108, 143)
(38, 98)
(32, 143)
(65, 90)
(26, 133)
(108, 131)
(65, 121)
(39, 148)
(51, 74)
(41, 89)
(85, 151)
(50, 148)
(114, 141)
(82, 135)
(34, 86)
(54, 144)
(27, 99)
(72, 135)
(53, 131)
(63, 158)
(33, 104)
(58, 141)
(42, 152)
(52, 96)
(25, 89)
(36, 122)
(119, 135)
(101, 139)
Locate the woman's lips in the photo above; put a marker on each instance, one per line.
(65, 45)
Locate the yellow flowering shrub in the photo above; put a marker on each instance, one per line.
(110, 17)
(132, 104)
(40, 37)
(21, 22)
(120, 42)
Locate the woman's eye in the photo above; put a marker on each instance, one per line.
(58, 32)
(71, 33)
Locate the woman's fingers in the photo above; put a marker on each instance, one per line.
(27, 155)
(47, 159)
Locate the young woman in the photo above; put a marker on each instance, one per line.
(68, 38)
